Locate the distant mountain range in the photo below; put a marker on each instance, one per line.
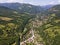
(26, 8)
(55, 9)
(47, 6)
(23, 7)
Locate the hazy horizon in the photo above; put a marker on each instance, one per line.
(33, 2)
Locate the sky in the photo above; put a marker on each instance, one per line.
(34, 2)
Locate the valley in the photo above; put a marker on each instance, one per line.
(26, 24)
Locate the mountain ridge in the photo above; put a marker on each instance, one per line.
(23, 7)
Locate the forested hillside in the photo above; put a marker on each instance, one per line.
(31, 25)
(12, 24)
(46, 29)
(23, 8)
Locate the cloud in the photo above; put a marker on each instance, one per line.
(15, 1)
(58, 0)
(2, 1)
(9, 1)
(52, 2)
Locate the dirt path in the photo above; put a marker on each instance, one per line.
(29, 39)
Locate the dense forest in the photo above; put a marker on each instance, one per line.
(29, 24)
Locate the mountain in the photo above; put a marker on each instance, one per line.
(46, 31)
(12, 23)
(17, 26)
(21, 7)
(47, 6)
(4, 11)
(55, 9)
